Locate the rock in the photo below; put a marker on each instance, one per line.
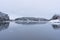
(56, 16)
(29, 20)
(43, 19)
(4, 17)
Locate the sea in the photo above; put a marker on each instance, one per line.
(42, 31)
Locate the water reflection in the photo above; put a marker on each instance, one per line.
(31, 22)
(55, 26)
(4, 25)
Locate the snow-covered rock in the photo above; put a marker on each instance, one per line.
(56, 16)
(57, 21)
(30, 20)
(4, 17)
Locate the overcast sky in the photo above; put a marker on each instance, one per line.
(35, 8)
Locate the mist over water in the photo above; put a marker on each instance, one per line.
(35, 8)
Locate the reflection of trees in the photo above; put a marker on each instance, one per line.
(55, 26)
(42, 22)
(4, 25)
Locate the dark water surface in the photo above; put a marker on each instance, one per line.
(13, 31)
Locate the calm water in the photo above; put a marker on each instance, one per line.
(14, 31)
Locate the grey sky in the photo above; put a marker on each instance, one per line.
(36, 8)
